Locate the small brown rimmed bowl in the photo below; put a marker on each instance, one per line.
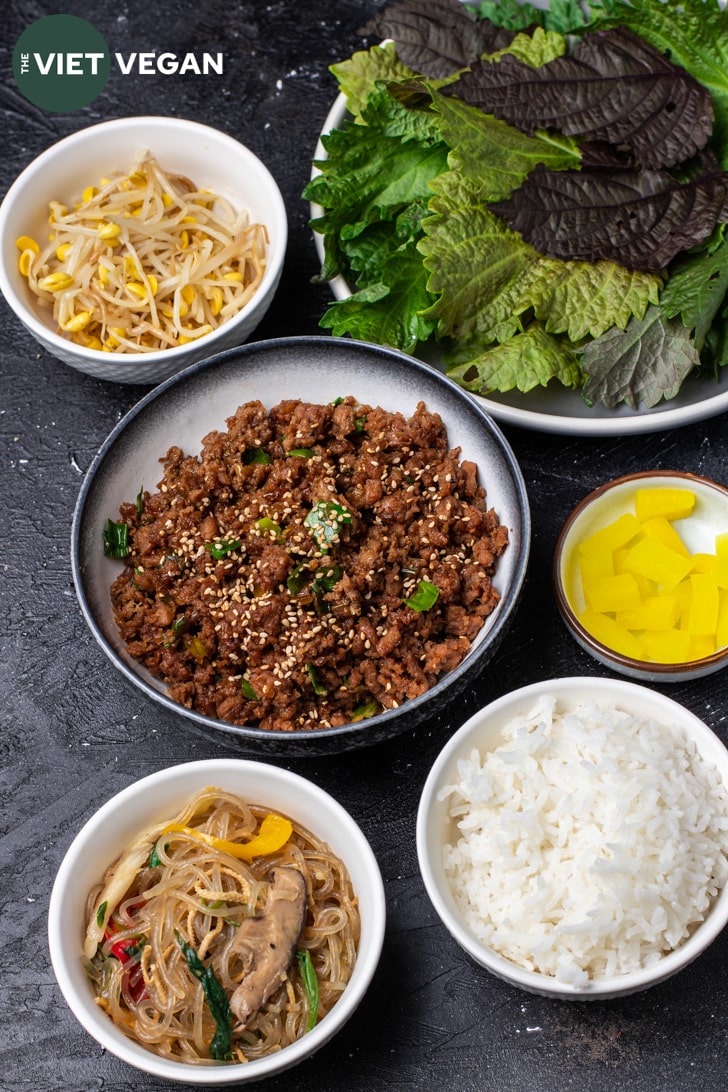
(601, 507)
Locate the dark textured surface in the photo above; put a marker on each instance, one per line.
(73, 732)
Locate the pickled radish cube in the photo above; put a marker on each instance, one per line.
(721, 544)
(612, 593)
(661, 529)
(611, 634)
(702, 619)
(658, 612)
(594, 566)
(667, 501)
(653, 559)
(683, 595)
(720, 572)
(615, 534)
(700, 647)
(671, 647)
(721, 632)
(703, 563)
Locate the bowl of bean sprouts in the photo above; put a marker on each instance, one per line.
(133, 248)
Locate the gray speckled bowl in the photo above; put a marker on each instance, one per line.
(184, 409)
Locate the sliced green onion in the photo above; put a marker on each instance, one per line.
(222, 547)
(310, 985)
(140, 500)
(180, 625)
(302, 452)
(297, 579)
(255, 455)
(268, 524)
(424, 597)
(101, 913)
(318, 687)
(116, 539)
(154, 858)
(363, 712)
(247, 690)
(221, 1047)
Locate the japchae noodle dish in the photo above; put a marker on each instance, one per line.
(221, 935)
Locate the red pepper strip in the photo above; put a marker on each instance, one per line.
(133, 977)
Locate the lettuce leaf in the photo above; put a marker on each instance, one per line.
(358, 75)
(562, 16)
(493, 155)
(486, 278)
(697, 290)
(527, 360)
(390, 311)
(642, 365)
(369, 176)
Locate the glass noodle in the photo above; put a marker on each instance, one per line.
(170, 890)
(144, 261)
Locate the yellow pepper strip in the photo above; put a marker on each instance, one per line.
(272, 835)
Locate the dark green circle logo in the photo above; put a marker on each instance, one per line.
(61, 63)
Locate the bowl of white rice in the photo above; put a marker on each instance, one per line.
(573, 837)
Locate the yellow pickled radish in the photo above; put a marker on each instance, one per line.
(656, 612)
(611, 537)
(613, 593)
(721, 632)
(667, 501)
(610, 633)
(653, 559)
(646, 595)
(702, 618)
(670, 647)
(663, 531)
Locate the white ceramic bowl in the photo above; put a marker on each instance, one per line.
(163, 794)
(601, 507)
(482, 732)
(211, 158)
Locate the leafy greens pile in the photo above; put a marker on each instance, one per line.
(541, 194)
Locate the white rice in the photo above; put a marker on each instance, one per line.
(589, 843)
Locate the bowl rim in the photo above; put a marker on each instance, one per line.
(618, 660)
(275, 253)
(532, 981)
(205, 771)
(247, 733)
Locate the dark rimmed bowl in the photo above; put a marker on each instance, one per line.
(184, 409)
(600, 507)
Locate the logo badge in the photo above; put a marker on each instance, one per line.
(61, 63)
